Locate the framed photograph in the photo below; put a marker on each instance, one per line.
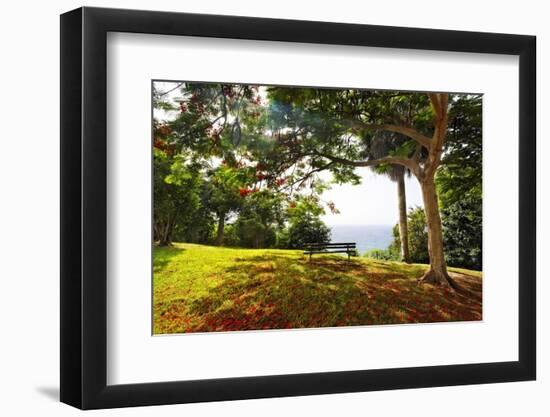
(257, 208)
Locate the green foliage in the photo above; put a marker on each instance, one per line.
(305, 224)
(395, 247)
(462, 164)
(459, 184)
(231, 238)
(222, 190)
(381, 254)
(462, 226)
(405, 149)
(176, 195)
(312, 123)
(253, 233)
(418, 237)
(307, 229)
(251, 156)
(260, 216)
(462, 232)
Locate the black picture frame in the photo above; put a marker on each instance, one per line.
(84, 207)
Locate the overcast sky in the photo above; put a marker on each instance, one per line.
(374, 201)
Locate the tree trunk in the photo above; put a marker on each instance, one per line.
(165, 238)
(221, 226)
(403, 228)
(437, 274)
(156, 233)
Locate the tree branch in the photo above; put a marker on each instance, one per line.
(169, 91)
(436, 104)
(407, 131)
(440, 102)
(406, 162)
(302, 179)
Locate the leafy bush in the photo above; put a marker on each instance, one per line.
(395, 247)
(462, 233)
(381, 254)
(230, 236)
(177, 185)
(304, 224)
(308, 229)
(418, 237)
(252, 233)
(260, 216)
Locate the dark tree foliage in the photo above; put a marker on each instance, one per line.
(176, 191)
(461, 171)
(304, 224)
(462, 231)
(459, 182)
(307, 229)
(222, 196)
(259, 219)
(203, 220)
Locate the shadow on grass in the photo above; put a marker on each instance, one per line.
(162, 255)
(276, 291)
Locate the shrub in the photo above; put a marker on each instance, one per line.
(252, 233)
(304, 224)
(418, 237)
(381, 254)
(230, 236)
(307, 229)
(462, 233)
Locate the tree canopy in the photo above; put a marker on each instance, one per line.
(251, 155)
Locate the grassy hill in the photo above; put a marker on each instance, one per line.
(201, 288)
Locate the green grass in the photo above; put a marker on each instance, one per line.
(204, 288)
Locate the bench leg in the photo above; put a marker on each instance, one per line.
(310, 257)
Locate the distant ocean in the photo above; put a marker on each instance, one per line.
(366, 237)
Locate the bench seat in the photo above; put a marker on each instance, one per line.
(348, 248)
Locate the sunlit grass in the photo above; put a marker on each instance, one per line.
(203, 288)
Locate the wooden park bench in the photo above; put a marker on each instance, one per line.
(315, 248)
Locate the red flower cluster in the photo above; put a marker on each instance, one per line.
(183, 107)
(164, 130)
(280, 181)
(161, 145)
(243, 192)
(158, 143)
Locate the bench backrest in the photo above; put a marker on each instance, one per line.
(322, 246)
